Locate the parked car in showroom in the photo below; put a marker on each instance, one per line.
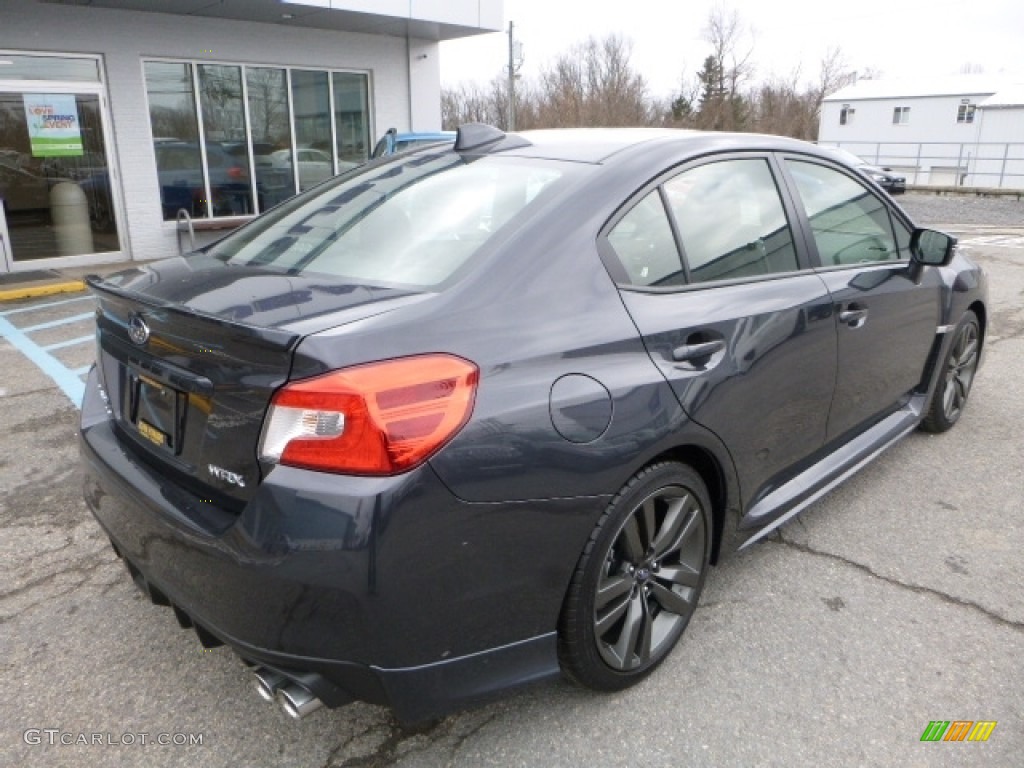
(886, 178)
(477, 414)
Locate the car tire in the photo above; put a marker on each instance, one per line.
(638, 580)
(956, 377)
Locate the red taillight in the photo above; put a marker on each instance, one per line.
(236, 172)
(375, 419)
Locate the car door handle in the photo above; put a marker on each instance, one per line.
(696, 351)
(854, 316)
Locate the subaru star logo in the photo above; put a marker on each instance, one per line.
(138, 331)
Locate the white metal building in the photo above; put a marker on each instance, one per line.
(964, 130)
(116, 114)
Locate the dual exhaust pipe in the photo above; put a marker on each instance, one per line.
(295, 700)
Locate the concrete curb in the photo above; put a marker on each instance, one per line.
(44, 289)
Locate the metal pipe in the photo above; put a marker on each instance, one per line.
(268, 683)
(298, 702)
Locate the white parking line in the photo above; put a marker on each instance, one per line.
(57, 323)
(49, 304)
(999, 241)
(69, 343)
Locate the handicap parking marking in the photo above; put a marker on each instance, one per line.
(69, 380)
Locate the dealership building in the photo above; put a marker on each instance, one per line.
(125, 122)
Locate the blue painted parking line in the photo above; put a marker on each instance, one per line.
(70, 383)
(57, 323)
(69, 342)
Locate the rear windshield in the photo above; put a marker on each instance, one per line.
(416, 223)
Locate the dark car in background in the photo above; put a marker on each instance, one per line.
(886, 178)
(474, 415)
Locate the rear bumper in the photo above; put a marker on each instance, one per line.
(388, 590)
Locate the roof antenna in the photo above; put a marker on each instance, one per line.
(476, 135)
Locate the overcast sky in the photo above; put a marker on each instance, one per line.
(901, 38)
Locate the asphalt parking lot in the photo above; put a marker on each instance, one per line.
(894, 601)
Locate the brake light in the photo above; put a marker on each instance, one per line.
(236, 172)
(375, 419)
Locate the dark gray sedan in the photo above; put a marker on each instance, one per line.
(464, 418)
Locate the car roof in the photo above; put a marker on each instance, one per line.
(600, 145)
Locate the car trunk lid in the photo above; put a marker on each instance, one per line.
(190, 358)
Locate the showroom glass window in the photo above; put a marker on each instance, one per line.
(271, 130)
(234, 140)
(227, 141)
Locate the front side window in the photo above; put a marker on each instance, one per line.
(731, 221)
(413, 225)
(901, 115)
(850, 224)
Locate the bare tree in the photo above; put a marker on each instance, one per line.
(726, 72)
(474, 103)
(593, 84)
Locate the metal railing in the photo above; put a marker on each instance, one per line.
(997, 165)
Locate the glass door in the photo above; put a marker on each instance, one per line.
(56, 194)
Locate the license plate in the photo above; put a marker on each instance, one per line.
(157, 412)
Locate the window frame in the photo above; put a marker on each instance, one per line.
(811, 244)
(846, 114)
(194, 65)
(965, 112)
(618, 272)
(901, 115)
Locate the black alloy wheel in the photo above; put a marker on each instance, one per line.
(957, 376)
(639, 579)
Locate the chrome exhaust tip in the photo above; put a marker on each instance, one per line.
(268, 683)
(298, 702)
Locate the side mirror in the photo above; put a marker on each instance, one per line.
(932, 248)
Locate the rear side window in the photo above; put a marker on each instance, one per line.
(644, 243)
(731, 221)
(850, 224)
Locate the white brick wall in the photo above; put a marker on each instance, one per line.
(126, 38)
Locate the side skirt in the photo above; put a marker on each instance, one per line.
(817, 480)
